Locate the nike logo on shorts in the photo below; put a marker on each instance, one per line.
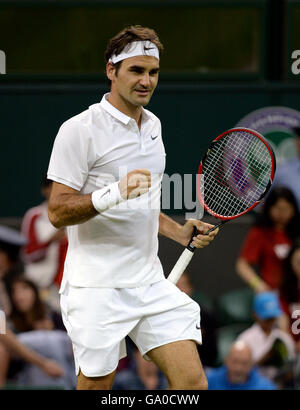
(154, 138)
(198, 327)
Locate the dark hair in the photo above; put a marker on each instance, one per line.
(289, 289)
(38, 311)
(12, 250)
(264, 220)
(296, 131)
(128, 35)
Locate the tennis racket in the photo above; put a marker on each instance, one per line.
(234, 175)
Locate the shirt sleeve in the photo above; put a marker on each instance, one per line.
(34, 250)
(251, 249)
(71, 155)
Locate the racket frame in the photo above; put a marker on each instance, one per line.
(187, 254)
(199, 174)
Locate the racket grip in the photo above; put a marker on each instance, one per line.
(180, 265)
(192, 247)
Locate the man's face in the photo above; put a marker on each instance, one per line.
(282, 212)
(136, 79)
(267, 325)
(239, 364)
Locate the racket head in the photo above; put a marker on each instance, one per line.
(236, 172)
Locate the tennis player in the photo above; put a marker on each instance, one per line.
(106, 163)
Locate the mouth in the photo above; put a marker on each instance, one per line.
(142, 92)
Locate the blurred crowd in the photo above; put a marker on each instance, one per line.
(250, 336)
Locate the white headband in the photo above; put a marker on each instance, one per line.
(136, 48)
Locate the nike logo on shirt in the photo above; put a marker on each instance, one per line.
(154, 138)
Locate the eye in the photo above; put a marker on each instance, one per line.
(138, 70)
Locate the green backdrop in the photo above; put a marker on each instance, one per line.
(191, 113)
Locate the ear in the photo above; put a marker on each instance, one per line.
(110, 70)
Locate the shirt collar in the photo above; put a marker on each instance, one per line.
(118, 114)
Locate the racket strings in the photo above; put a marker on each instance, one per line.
(236, 172)
(230, 174)
(219, 196)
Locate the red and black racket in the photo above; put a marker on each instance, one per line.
(234, 175)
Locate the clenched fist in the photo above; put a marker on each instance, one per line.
(135, 183)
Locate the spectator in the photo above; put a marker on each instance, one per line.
(208, 349)
(288, 174)
(290, 302)
(55, 345)
(45, 250)
(238, 372)
(10, 263)
(290, 292)
(142, 375)
(268, 242)
(11, 267)
(35, 326)
(10, 344)
(28, 312)
(272, 349)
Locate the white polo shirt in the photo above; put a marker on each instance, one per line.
(117, 248)
(260, 343)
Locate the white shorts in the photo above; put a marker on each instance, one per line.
(99, 319)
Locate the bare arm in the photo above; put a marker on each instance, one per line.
(68, 207)
(11, 342)
(169, 228)
(182, 233)
(248, 274)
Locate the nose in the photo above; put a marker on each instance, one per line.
(145, 80)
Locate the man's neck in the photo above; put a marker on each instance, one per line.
(267, 332)
(125, 107)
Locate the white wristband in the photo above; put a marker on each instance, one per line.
(107, 197)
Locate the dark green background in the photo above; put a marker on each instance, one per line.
(70, 37)
(191, 115)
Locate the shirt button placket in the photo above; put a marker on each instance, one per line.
(141, 142)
